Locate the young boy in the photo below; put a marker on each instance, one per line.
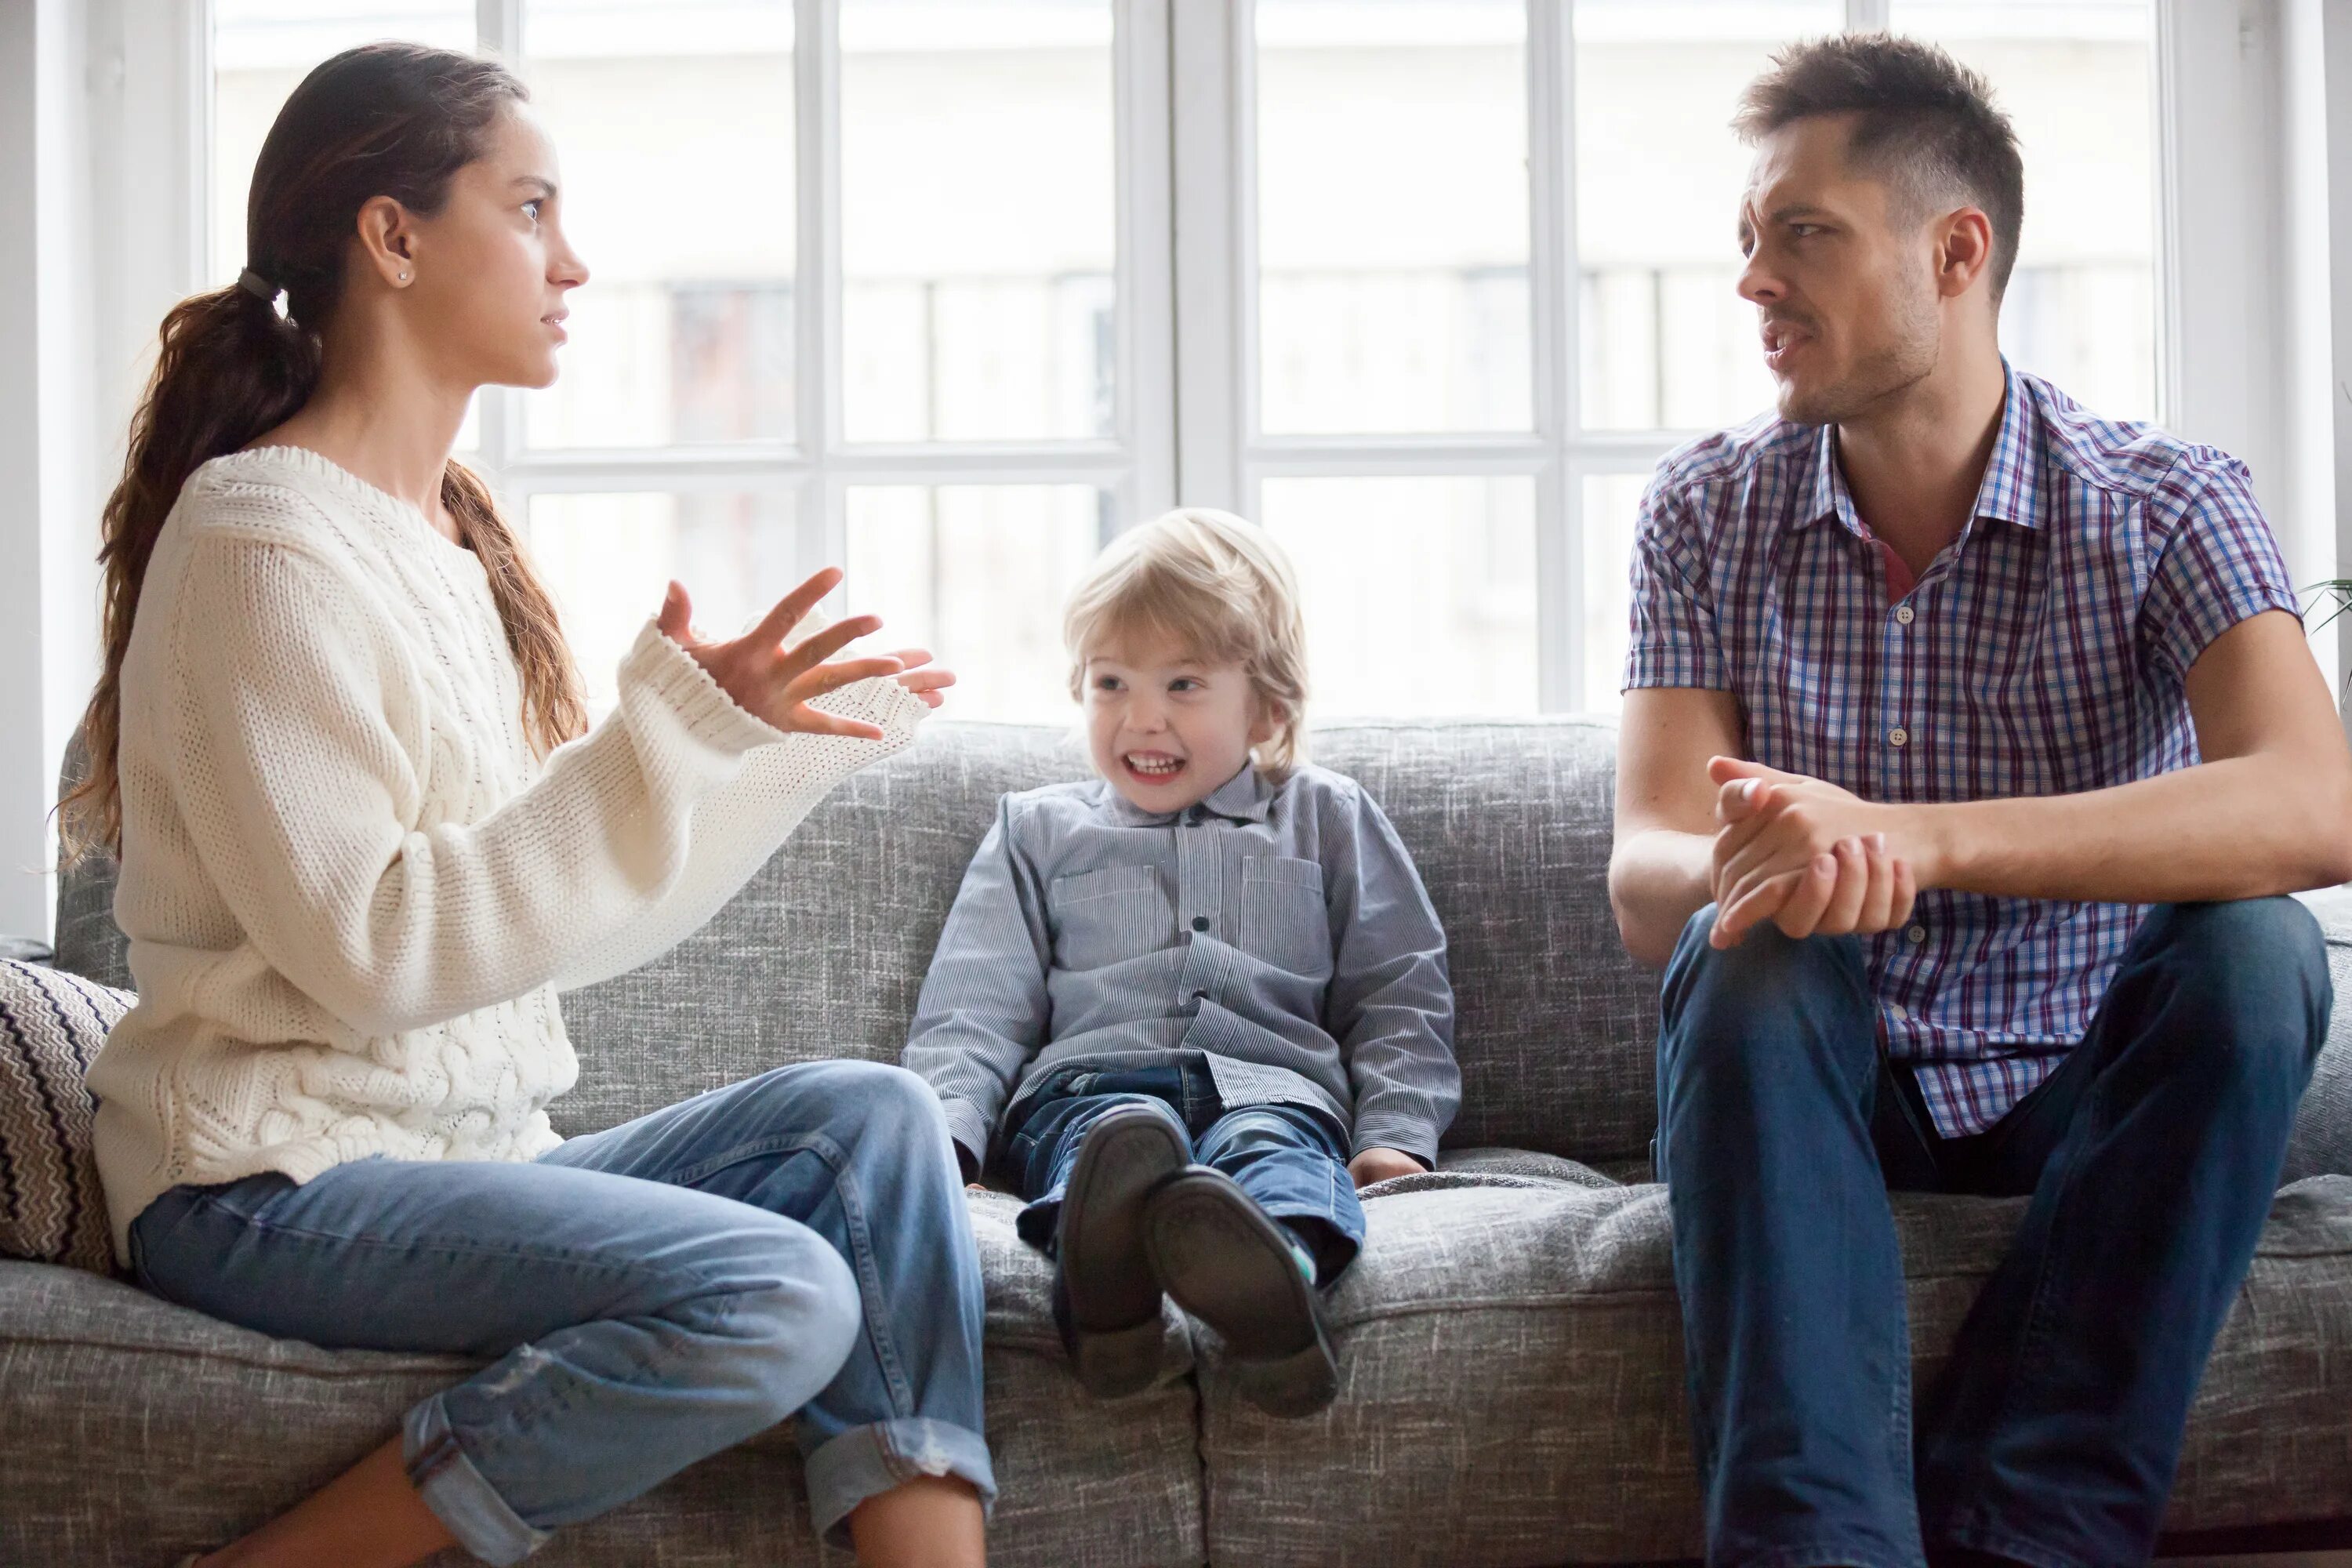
(1198, 1000)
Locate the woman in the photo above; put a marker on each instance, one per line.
(356, 869)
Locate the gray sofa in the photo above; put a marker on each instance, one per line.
(1511, 1375)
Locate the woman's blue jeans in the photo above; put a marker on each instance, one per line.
(2151, 1155)
(794, 1244)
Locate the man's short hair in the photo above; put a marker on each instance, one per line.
(1924, 121)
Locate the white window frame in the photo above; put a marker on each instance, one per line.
(1187, 277)
(1225, 458)
(1135, 464)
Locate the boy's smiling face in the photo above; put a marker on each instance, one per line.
(1166, 727)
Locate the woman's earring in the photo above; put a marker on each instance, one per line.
(403, 278)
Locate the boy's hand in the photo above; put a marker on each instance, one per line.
(1379, 1165)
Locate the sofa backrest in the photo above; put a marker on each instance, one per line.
(823, 951)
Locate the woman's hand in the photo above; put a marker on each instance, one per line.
(776, 681)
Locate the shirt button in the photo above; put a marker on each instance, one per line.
(1916, 933)
(1897, 736)
(1200, 923)
(1899, 1011)
(1903, 614)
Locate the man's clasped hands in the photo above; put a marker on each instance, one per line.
(1811, 857)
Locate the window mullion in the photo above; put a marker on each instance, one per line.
(1204, 119)
(498, 25)
(1867, 15)
(816, 286)
(1551, 165)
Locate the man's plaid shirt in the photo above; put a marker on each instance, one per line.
(2042, 653)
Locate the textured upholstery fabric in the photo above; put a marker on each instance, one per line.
(52, 1024)
(1511, 1383)
(1510, 1354)
(138, 1431)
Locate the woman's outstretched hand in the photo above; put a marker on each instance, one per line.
(776, 681)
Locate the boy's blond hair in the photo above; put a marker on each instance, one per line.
(1217, 586)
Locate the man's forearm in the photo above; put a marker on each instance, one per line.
(1658, 879)
(2242, 827)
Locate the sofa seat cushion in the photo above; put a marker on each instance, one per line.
(1511, 1381)
(139, 1431)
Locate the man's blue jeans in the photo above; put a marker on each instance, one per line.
(2151, 1155)
(647, 1294)
(1292, 1159)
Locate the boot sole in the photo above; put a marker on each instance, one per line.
(1230, 1265)
(1106, 1296)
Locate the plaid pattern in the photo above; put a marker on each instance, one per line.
(2043, 652)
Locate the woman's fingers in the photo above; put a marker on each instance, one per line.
(676, 617)
(794, 606)
(807, 655)
(807, 720)
(814, 683)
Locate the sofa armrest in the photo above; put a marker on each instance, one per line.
(25, 949)
(2322, 1141)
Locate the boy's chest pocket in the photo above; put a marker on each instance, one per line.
(1107, 917)
(1284, 922)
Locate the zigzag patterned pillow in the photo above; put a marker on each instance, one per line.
(52, 1024)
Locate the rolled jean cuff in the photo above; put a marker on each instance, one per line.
(457, 1493)
(867, 1461)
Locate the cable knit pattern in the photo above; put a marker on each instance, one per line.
(351, 888)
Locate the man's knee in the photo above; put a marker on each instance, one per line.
(2245, 957)
(1766, 971)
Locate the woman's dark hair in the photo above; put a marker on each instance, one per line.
(385, 119)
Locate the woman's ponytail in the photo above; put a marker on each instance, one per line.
(229, 367)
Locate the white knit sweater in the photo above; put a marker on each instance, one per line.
(351, 888)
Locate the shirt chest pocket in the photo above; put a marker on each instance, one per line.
(1107, 917)
(1283, 921)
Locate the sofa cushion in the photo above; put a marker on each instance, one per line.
(822, 953)
(1511, 1381)
(52, 1209)
(139, 1430)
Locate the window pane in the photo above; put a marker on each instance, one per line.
(261, 49)
(978, 219)
(1392, 217)
(673, 126)
(1666, 342)
(978, 574)
(1418, 593)
(1613, 502)
(606, 559)
(2075, 79)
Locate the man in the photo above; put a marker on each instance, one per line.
(1985, 732)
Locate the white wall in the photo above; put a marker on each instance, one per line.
(23, 907)
(67, 377)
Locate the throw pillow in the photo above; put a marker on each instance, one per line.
(52, 1024)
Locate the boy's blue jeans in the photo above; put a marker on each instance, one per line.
(1292, 1159)
(648, 1295)
(2151, 1155)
